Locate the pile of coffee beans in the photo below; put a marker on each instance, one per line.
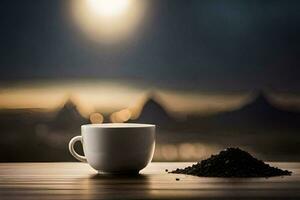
(232, 162)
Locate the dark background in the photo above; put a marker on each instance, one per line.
(215, 47)
(203, 44)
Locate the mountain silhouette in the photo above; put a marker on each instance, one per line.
(260, 113)
(69, 110)
(262, 107)
(68, 116)
(154, 113)
(38, 134)
(42, 135)
(260, 104)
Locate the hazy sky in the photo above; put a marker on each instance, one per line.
(108, 97)
(210, 45)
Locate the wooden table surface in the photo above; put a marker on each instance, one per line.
(78, 181)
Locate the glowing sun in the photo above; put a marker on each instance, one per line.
(107, 21)
(109, 8)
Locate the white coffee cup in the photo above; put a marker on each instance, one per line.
(116, 147)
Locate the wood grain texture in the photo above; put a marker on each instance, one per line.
(79, 181)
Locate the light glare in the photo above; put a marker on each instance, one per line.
(109, 8)
(107, 21)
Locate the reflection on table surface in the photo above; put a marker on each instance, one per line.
(79, 181)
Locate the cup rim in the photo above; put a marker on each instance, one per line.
(118, 125)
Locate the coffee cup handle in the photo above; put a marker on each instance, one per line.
(72, 150)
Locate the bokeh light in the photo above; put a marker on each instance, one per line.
(187, 151)
(184, 151)
(169, 152)
(96, 118)
(121, 116)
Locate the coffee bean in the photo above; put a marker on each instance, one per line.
(232, 162)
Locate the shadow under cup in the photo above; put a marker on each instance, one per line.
(116, 148)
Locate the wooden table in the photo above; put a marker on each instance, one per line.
(44, 181)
